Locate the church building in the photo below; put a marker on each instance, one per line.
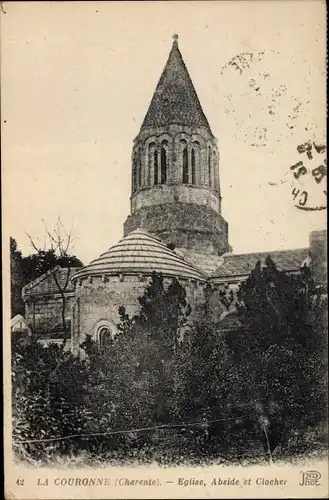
(175, 225)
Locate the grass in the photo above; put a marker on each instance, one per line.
(86, 460)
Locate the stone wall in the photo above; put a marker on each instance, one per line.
(318, 251)
(186, 225)
(97, 303)
(44, 313)
(162, 193)
(43, 301)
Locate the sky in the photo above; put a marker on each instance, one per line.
(77, 79)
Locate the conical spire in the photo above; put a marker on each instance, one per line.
(175, 100)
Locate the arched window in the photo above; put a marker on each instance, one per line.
(134, 174)
(150, 164)
(163, 160)
(156, 167)
(104, 336)
(215, 169)
(195, 161)
(185, 166)
(209, 166)
(139, 169)
(193, 165)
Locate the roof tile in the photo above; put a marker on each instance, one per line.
(140, 253)
(46, 284)
(230, 265)
(175, 100)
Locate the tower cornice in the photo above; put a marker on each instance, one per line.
(173, 129)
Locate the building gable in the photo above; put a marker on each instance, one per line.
(46, 283)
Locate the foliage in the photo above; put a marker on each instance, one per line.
(36, 264)
(25, 269)
(17, 279)
(48, 393)
(182, 390)
(163, 312)
(135, 370)
(128, 381)
(206, 389)
(281, 349)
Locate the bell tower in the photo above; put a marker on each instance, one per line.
(175, 189)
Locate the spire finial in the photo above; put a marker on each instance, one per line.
(175, 37)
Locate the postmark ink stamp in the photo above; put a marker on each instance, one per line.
(309, 191)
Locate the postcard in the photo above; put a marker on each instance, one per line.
(164, 169)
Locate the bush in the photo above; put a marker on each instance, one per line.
(187, 399)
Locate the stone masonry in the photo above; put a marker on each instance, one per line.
(175, 191)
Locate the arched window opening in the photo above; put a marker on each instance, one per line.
(156, 166)
(139, 170)
(209, 166)
(215, 170)
(185, 166)
(163, 161)
(163, 166)
(193, 165)
(134, 174)
(150, 162)
(104, 336)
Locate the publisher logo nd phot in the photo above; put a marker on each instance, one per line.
(310, 478)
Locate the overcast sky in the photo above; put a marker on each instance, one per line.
(77, 79)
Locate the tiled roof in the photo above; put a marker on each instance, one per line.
(45, 284)
(205, 263)
(243, 264)
(230, 265)
(175, 100)
(18, 322)
(139, 253)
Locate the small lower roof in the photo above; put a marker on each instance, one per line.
(235, 265)
(285, 260)
(19, 323)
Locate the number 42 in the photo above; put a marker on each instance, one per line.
(20, 482)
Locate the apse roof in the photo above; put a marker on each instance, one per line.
(175, 100)
(140, 253)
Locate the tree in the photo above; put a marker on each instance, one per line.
(152, 339)
(16, 278)
(206, 392)
(46, 402)
(51, 260)
(164, 312)
(281, 349)
(133, 374)
(206, 389)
